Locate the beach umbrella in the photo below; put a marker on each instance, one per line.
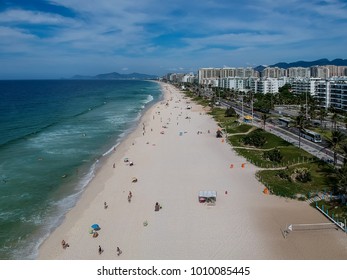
(95, 227)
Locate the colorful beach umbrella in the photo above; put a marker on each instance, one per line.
(95, 227)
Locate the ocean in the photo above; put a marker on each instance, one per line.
(53, 135)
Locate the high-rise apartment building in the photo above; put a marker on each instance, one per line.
(273, 72)
(320, 72)
(207, 75)
(303, 85)
(338, 94)
(301, 72)
(332, 93)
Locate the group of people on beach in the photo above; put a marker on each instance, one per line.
(119, 251)
(130, 195)
(64, 244)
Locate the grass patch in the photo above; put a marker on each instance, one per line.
(279, 182)
(236, 127)
(272, 141)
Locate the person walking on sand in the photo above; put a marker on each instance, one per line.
(119, 251)
(100, 250)
(130, 195)
(157, 206)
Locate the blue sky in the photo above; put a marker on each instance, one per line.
(54, 39)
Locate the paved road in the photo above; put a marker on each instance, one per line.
(315, 149)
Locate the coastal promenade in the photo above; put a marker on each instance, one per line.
(174, 155)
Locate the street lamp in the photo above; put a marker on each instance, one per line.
(306, 107)
(242, 107)
(252, 106)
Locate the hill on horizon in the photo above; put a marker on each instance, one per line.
(116, 76)
(319, 62)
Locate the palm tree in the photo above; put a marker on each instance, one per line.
(342, 178)
(264, 118)
(344, 151)
(312, 107)
(333, 121)
(300, 123)
(322, 115)
(335, 142)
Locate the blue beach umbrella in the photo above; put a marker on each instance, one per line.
(95, 227)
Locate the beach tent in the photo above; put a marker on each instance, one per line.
(207, 196)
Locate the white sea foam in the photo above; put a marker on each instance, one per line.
(57, 212)
(149, 99)
(110, 150)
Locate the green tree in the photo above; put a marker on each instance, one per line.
(334, 142)
(230, 112)
(264, 118)
(262, 105)
(334, 118)
(322, 115)
(312, 106)
(344, 152)
(341, 175)
(300, 124)
(256, 138)
(273, 155)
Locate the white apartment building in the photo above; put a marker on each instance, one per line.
(234, 83)
(338, 94)
(282, 81)
(206, 75)
(332, 93)
(304, 85)
(322, 93)
(264, 86)
(175, 77)
(188, 78)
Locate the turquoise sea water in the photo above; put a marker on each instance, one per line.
(52, 137)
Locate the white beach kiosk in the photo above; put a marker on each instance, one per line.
(207, 196)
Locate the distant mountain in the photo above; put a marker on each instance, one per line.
(260, 68)
(319, 62)
(80, 77)
(116, 76)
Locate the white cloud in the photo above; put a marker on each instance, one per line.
(9, 34)
(33, 17)
(115, 33)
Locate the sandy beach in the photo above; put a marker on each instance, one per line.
(174, 157)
